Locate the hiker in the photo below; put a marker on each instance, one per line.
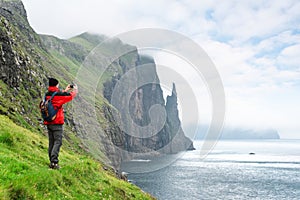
(55, 127)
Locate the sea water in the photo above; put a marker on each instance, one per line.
(258, 169)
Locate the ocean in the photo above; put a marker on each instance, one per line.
(255, 169)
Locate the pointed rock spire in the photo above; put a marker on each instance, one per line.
(174, 93)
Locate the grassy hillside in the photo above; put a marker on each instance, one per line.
(24, 172)
(87, 40)
(26, 60)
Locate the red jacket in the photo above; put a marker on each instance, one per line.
(58, 100)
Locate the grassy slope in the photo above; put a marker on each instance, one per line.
(87, 40)
(24, 172)
(23, 151)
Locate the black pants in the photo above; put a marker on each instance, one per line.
(55, 133)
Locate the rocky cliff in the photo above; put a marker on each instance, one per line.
(21, 66)
(27, 59)
(176, 134)
(147, 131)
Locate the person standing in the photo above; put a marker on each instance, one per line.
(55, 127)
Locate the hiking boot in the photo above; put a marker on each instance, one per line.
(54, 166)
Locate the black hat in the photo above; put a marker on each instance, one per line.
(53, 82)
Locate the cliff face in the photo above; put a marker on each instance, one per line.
(176, 134)
(161, 133)
(21, 71)
(27, 59)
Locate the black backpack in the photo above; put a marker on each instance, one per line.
(47, 110)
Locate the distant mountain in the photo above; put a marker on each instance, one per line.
(238, 133)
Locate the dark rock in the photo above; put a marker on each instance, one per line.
(178, 141)
(123, 176)
(171, 138)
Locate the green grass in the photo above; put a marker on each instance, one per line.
(72, 66)
(89, 46)
(24, 172)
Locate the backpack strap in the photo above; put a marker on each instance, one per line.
(45, 97)
(53, 95)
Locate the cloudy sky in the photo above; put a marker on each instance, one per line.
(255, 45)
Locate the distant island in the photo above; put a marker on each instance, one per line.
(239, 133)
